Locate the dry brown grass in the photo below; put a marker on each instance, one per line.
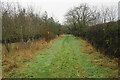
(21, 53)
(100, 59)
(88, 48)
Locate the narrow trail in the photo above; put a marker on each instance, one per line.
(64, 59)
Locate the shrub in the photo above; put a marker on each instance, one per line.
(104, 37)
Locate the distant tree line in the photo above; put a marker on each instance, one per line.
(99, 27)
(21, 25)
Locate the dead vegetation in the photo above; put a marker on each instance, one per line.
(20, 54)
(100, 59)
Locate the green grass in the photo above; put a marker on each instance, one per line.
(63, 59)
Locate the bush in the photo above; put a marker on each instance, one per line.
(104, 37)
(21, 25)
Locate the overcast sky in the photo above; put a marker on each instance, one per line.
(58, 8)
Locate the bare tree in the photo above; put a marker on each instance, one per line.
(80, 17)
(112, 16)
(109, 14)
(22, 25)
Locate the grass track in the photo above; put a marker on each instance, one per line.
(63, 59)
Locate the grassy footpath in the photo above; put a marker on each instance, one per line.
(66, 58)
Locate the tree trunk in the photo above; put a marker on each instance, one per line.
(7, 46)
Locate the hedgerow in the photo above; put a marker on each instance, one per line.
(104, 37)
